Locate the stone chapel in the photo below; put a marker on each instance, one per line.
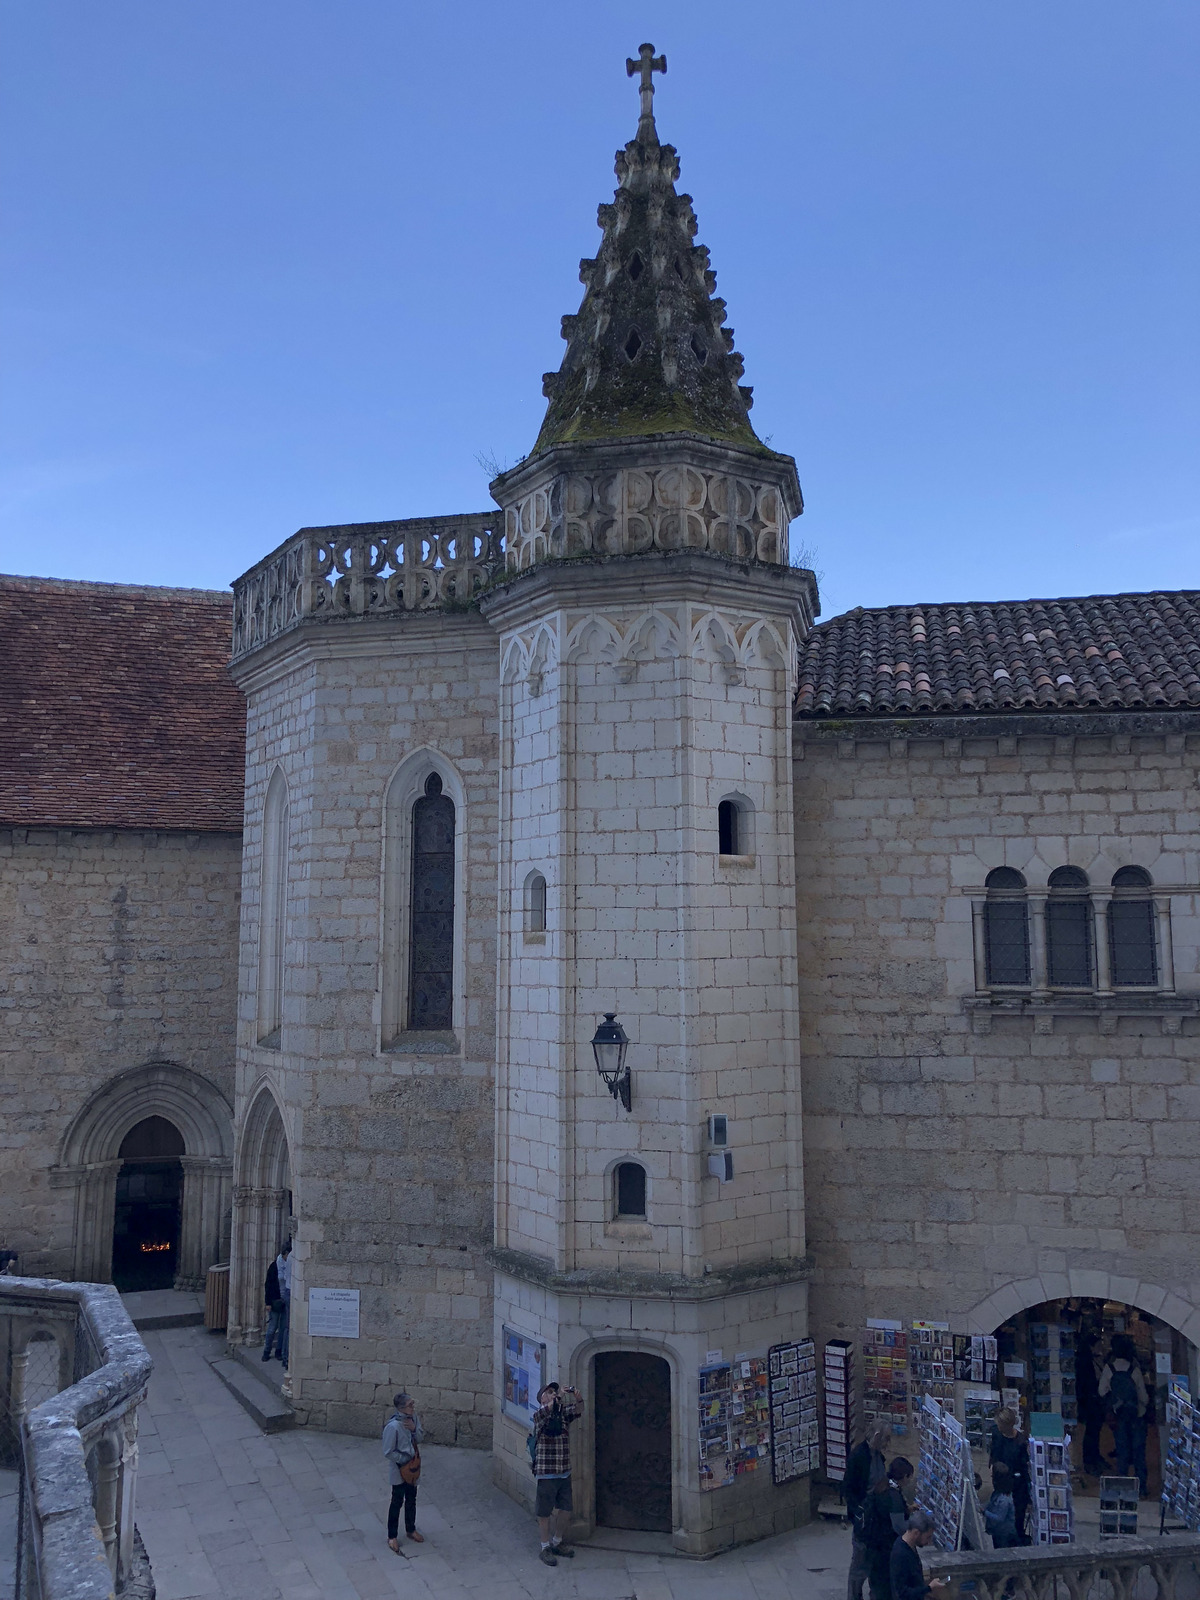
(897, 913)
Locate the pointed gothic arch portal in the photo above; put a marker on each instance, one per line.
(161, 1128)
(263, 1211)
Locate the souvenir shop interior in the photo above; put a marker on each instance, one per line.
(940, 1391)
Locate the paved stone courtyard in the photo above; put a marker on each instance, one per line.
(228, 1511)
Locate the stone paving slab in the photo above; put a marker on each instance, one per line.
(151, 1309)
(228, 1511)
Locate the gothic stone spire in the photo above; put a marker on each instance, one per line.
(647, 352)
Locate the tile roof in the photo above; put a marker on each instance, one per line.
(1116, 652)
(116, 708)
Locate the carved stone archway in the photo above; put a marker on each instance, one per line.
(1156, 1301)
(262, 1211)
(89, 1163)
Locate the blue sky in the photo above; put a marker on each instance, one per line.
(272, 264)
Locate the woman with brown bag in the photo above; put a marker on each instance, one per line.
(402, 1433)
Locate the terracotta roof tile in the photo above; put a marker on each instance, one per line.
(116, 708)
(1116, 652)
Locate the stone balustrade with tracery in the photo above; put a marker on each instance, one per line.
(366, 569)
(73, 1375)
(1165, 1567)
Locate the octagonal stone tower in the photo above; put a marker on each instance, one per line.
(649, 624)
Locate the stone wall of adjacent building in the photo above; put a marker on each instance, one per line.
(955, 1158)
(389, 1134)
(117, 950)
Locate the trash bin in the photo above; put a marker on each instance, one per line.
(216, 1298)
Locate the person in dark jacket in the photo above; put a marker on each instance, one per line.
(277, 1308)
(1087, 1399)
(1010, 1446)
(999, 1515)
(1123, 1387)
(905, 1569)
(866, 1466)
(885, 1517)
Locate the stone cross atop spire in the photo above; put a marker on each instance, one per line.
(647, 65)
(647, 351)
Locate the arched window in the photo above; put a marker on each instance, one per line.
(535, 903)
(1006, 927)
(735, 827)
(629, 1191)
(273, 912)
(1068, 930)
(1131, 944)
(431, 918)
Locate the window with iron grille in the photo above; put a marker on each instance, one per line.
(1006, 928)
(1068, 930)
(431, 931)
(1131, 942)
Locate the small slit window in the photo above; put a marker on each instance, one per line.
(1006, 928)
(629, 1191)
(636, 266)
(1069, 930)
(535, 903)
(1131, 943)
(735, 827)
(633, 343)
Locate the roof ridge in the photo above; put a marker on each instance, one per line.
(40, 585)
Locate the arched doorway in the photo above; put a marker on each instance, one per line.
(632, 1420)
(146, 1215)
(263, 1211)
(91, 1163)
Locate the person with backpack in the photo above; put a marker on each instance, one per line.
(867, 1464)
(402, 1433)
(276, 1295)
(551, 1461)
(1009, 1447)
(884, 1519)
(1122, 1385)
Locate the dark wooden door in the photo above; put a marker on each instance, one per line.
(633, 1441)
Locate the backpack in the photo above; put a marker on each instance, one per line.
(1122, 1392)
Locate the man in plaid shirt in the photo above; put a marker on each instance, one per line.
(552, 1466)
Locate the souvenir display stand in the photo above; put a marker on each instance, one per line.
(734, 1420)
(931, 1369)
(1118, 1507)
(885, 1375)
(1052, 1353)
(1181, 1469)
(1051, 1507)
(792, 1390)
(946, 1481)
(839, 1406)
(979, 1407)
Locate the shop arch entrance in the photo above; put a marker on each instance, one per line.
(91, 1163)
(263, 1211)
(632, 1419)
(146, 1221)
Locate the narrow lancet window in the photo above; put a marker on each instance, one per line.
(1006, 928)
(272, 911)
(1131, 942)
(431, 932)
(1069, 930)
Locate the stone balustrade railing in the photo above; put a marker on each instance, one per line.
(74, 1377)
(366, 569)
(1152, 1568)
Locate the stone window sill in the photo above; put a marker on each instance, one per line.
(534, 938)
(735, 861)
(625, 1230)
(1107, 1008)
(271, 1041)
(424, 1042)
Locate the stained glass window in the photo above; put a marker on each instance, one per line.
(431, 977)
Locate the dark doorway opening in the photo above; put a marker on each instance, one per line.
(146, 1221)
(633, 1441)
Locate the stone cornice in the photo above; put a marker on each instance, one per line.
(635, 1285)
(1001, 725)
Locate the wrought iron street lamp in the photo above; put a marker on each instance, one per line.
(609, 1046)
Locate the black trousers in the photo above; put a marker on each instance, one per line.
(403, 1494)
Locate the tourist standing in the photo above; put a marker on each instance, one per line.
(999, 1515)
(905, 1569)
(864, 1469)
(552, 1467)
(1088, 1402)
(276, 1299)
(1009, 1446)
(1122, 1384)
(402, 1433)
(884, 1519)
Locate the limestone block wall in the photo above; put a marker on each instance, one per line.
(1059, 1153)
(389, 1133)
(117, 949)
(631, 712)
